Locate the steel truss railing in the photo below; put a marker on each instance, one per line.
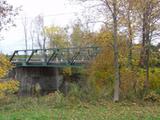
(54, 57)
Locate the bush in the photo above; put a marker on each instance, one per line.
(75, 93)
(152, 97)
(131, 83)
(5, 65)
(57, 99)
(8, 87)
(154, 78)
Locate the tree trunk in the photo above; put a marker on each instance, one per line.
(24, 23)
(147, 51)
(116, 63)
(142, 54)
(146, 82)
(129, 40)
(144, 58)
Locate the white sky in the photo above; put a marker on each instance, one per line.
(59, 12)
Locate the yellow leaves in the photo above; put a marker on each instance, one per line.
(53, 29)
(67, 71)
(130, 81)
(2, 72)
(5, 65)
(104, 38)
(8, 87)
(155, 78)
(101, 70)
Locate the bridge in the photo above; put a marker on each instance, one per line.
(56, 57)
(43, 66)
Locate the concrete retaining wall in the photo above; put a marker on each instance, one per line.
(34, 79)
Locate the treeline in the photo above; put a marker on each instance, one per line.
(129, 63)
(123, 66)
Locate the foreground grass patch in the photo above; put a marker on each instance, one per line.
(44, 109)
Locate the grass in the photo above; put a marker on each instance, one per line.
(59, 108)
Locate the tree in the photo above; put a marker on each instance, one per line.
(115, 38)
(7, 14)
(77, 35)
(81, 36)
(41, 32)
(5, 65)
(57, 37)
(149, 17)
(128, 20)
(110, 8)
(32, 33)
(37, 32)
(133, 20)
(24, 23)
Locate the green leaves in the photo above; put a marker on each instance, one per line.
(57, 37)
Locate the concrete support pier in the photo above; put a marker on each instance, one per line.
(38, 79)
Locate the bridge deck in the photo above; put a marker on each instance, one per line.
(56, 57)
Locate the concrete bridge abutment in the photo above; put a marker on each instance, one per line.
(41, 80)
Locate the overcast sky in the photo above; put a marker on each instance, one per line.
(59, 12)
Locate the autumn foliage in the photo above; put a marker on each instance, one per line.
(8, 88)
(5, 65)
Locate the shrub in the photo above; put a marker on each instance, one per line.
(57, 99)
(5, 65)
(152, 97)
(154, 78)
(131, 83)
(75, 93)
(8, 87)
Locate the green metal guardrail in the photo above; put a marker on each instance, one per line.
(56, 57)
